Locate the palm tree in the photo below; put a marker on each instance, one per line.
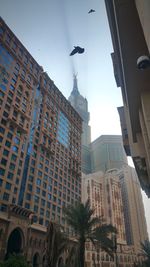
(146, 252)
(15, 260)
(88, 228)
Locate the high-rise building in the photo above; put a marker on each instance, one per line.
(115, 196)
(107, 152)
(40, 136)
(80, 104)
(130, 31)
(105, 194)
(133, 209)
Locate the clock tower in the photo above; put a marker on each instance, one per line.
(80, 104)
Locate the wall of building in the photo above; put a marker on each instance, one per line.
(143, 8)
(40, 136)
(135, 222)
(107, 152)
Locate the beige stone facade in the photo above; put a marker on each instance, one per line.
(19, 234)
(129, 26)
(104, 192)
(116, 196)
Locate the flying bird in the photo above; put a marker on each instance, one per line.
(91, 11)
(77, 49)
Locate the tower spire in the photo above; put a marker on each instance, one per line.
(75, 85)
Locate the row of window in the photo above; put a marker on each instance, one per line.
(20, 52)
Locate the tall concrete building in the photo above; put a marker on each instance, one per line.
(115, 195)
(105, 194)
(130, 31)
(134, 215)
(40, 141)
(107, 152)
(80, 104)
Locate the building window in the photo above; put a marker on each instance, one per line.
(28, 196)
(30, 178)
(1, 30)
(1, 182)
(37, 190)
(15, 149)
(13, 157)
(14, 47)
(41, 221)
(44, 193)
(2, 130)
(20, 52)
(16, 140)
(40, 173)
(43, 202)
(36, 199)
(38, 181)
(6, 196)
(35, 208)
(9, 135)
(10, 176)
(47, 214)
(27, 205)
(30, 187)
(48, 205)
(12, 87)
(15, 190)
(14, 200)
(18, 172)
(17, 181)
(4, 162)
(25, 59)
(23, 74)
(49, 196)
(8, 186)
(41, 211)
(31, 170)
(8, 144)
(3, 87)
(12, 166)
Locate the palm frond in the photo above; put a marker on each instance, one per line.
(146, 248)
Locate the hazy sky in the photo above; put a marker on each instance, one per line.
(49, 29)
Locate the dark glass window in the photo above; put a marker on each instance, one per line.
(4, 162)
(9, 135)
(5, 152)
(27, 205)
(8, 186)
(10, 175)
(12, 166)
(1, 182)
(6, 196)
(28, 196)
(2, 130)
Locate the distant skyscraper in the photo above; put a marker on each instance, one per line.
(107, 152)
(80, 104)
(134, 215)
(104, 193)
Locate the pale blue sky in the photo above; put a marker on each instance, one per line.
(49, 29)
